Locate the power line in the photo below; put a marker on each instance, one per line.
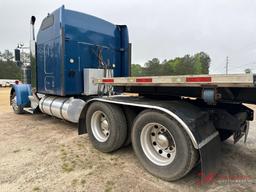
(227, 65)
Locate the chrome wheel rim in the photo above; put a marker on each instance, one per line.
(158, 144)
(14, 104)
(100, 126)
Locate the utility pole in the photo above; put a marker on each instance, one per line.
(227, 65)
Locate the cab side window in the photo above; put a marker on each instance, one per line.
(47, 22)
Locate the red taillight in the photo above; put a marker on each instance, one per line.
(16, 82)
(198, 79)
(144, 80)
(107, 80)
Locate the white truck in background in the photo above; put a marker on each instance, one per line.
(8, 82)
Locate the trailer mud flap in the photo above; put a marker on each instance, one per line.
(210, 153)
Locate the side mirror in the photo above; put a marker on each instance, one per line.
(17, 54)
(32, 20)
(17, 57)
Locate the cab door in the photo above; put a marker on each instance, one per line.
(72, 69)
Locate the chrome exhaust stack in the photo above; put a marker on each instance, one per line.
(32, 48)
(32, 36)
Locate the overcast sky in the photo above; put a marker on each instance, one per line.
(163, 29)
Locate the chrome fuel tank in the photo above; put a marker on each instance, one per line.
(64, 108)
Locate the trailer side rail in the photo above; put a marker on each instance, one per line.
(235, 80)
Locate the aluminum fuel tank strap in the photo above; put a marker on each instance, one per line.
(62, 107)
(51, 105)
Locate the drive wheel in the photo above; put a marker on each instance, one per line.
(106, 126)
(16, 108)
(162, 146)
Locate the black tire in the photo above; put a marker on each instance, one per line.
(116, 124)
(186, 155)
(225, 134)
(17, 109)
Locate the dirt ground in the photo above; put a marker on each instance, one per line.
(41, 153)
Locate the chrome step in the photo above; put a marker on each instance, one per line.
(30, 110)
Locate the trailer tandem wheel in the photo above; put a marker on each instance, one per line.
(162, 146)
(106, 126)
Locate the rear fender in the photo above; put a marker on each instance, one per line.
(22, 92)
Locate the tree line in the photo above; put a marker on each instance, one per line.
(189, 64)
(198, 63)
(8, 68)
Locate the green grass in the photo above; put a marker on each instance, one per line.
(109, 186)
(36, 189)
(68, 167)
(83, 181)
(74, 182)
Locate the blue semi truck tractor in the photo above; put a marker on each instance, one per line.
(80, 72)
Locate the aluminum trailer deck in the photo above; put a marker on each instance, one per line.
(234, 80)
(233, 87)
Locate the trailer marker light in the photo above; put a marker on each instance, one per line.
(144, 80)
(198, 79)
(107, 80)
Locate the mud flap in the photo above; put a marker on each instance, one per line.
(210, 152)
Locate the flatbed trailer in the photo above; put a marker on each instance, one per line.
(210, 88)
(173, 122)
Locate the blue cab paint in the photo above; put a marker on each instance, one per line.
(68, 42)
